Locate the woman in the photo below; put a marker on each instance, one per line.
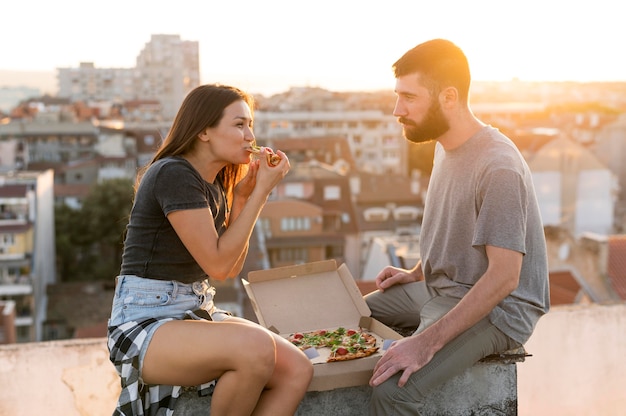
(195, 207)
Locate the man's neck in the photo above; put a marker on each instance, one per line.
(461, 130)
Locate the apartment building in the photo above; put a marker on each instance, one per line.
(575, 190)
(310, 217)
(27, 249)
(167, 68)
(89, 83)
(374, 138)
(29, 144)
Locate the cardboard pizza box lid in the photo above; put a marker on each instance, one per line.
(306, 297)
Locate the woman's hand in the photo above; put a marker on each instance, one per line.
(262, 175)
(244, 188)
(269, 176)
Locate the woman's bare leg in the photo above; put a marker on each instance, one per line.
(189, 353)
(289, 382)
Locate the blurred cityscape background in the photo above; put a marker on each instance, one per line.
(354, 194)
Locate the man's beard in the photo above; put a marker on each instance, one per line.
(432, 126)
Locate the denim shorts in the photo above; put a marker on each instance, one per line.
(138, 299)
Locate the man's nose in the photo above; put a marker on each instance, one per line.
(399, 110)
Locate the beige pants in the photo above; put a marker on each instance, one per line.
(411, 306)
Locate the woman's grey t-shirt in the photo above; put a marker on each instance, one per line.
(152, 249)
(480, 194)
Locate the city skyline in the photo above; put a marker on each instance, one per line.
(270, 46)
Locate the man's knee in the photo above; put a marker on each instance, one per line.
(389, 399)
(394, 307)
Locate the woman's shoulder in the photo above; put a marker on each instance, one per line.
(171, 169)
(175, 164)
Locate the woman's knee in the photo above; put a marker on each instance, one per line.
(303, 369)
(260, 352)
(295, 365)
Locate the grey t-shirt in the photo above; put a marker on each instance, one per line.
(481, 193)
(152, 248)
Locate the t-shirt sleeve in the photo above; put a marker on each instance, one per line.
(177, 187)
(502, 212)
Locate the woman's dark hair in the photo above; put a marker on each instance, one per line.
(440, 64)
(202, 108)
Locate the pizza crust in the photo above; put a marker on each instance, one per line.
(353, 356)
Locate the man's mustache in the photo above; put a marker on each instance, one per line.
(406, 121)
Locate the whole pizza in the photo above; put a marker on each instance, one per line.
(344, 344)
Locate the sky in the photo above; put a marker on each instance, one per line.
(268, 46)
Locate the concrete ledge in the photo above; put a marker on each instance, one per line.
(577, 368)
(487, 389)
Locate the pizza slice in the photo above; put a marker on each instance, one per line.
(272, 158)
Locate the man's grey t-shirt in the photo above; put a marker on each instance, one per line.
(479, 194)
(152, 249)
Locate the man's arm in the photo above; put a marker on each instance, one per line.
(410, 354)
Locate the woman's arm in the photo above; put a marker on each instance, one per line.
(223, 256)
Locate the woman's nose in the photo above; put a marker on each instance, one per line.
(249, 135)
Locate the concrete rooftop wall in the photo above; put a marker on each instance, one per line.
(578, 367)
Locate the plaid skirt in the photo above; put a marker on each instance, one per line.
(137, 398)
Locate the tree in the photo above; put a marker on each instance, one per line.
(66, 228)
(90, 241)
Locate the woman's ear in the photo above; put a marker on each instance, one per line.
(204, 136)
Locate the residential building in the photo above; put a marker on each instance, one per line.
(574, 189)
(330, 150)
(389, 206)
(73, 181)
(27, 247)
(610, 148)
(374, 138)
(31, 143)
(145, 138)
(167, 68)
(88, 83)
(310, 217)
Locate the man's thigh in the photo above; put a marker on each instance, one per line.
(461, 353)
(400, 305)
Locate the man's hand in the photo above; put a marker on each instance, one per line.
(390, 276)
(406, 355)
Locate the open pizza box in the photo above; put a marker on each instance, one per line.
(314, 296)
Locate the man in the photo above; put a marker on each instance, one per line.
(482, 282)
